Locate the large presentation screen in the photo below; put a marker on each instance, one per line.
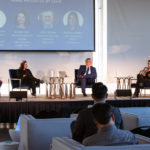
(47, 25)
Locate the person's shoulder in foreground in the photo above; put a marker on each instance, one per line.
(107, 133)
(84, 125)
(108, 137)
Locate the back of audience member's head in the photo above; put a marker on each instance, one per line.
(102, 113)
(99, 91)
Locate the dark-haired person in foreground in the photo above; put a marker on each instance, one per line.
(143, 78)
(86, 74)
(85, 126)
(107, 133)
(27, 78)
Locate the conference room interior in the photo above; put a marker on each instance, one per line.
(114, 34)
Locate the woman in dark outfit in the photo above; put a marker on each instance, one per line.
(27, 78)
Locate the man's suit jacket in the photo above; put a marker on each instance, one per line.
(85, 126)
(82, 71)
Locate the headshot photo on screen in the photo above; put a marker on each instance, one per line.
(2, 19)
(47, 19)
(21, 20)
(73, 20)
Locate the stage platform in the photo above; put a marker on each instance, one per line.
(10, 110)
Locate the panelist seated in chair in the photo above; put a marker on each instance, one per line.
(27, 78)
(143, 79)
(86, 75)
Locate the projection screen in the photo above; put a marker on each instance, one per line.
(47, 25)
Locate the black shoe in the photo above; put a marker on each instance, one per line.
(135, 96)
(41, 81)
(33, 94)
(84, 94)
(18, 99)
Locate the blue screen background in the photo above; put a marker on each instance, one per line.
(37, 37)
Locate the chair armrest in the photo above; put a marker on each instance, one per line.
(65, 143)
(130, 121)
(142, 139)
(15, 79)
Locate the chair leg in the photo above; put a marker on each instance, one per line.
(70, 91)
(66, 90)
(140, 92)
(144, 92)
(30, 91)
(74, 90)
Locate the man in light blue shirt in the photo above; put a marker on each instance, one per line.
(107, 133)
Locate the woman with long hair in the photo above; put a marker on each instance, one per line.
(21, 20)
(27, 78)
(73, 21)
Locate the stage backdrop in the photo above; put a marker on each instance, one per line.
(128, 37)
(41, 63)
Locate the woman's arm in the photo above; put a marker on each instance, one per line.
(20, 73)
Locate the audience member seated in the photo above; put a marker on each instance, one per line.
(85, 126)
(107, 133)
(86, 74)
(143, 79)
(27, 78)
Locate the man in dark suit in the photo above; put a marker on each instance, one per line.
(85, 126)
(86, 74)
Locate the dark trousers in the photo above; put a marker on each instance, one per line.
(86, 81)
(141, 81)
(32, 82)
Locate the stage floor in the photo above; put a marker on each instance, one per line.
(44, 98)
(77, 98)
